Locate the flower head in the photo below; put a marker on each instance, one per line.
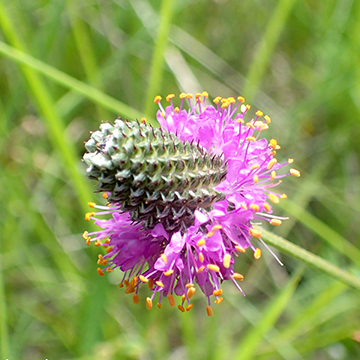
(183, 198)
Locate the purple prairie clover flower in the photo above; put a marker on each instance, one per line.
(183, 198)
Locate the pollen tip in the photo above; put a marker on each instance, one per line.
(100, 272)
(105, 195)
(241, 99)
(257, 254)
(295, 172)
(148, 303)
(227, 260)
(157, 99)
(135, 299)
(171, 300)
(181, 308)
(209, 310)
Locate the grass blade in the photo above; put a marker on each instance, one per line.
(297, 252)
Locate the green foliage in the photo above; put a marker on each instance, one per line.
(67, 65)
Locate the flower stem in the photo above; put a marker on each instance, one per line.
(297, 252)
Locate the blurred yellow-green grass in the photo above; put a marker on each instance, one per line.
(65, 66)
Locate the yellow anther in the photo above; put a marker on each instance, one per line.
(273, 175)
(209, 310)
(134, 281)
(85, 235)
(254, 207)
(183, 297)
(275, 222)
(290, 160)
(275, 199)
(109, 249)
(227, 260)
(231, 100)
(267, 207)
(107, 241)
(248, 107)
(224, 100)
(189, 285)
(251, 125)
(105, 195)
(255, 233)
(135, 299)
(240, 121)
(255, 179)
(201, 242)
(267, 118)
(201, 257)
(273, 153)
(240, 249)
(97, 243)
(148, 303)
(191, 292)
(256, 166)
(210, 234)
(200, 269)
(217, 100)
(262, 126)
(216, 227)
(159, 283)
(171, 300)
(257, 254)
(238, 276)
(182, 96)
(181, 308)
(176, 110)
(88, 241)
(162, 114)
(217, 292)
(273, 143)
(169, 97)
(163, 256)
(213, 267)
(243, 205)
(189, 96)
(121, 285)
(218, 300)
(168, 272)
(259, 113)
(225, 104)
(158, 305)
(271, 163)
(102, 261)
(283, 196)
(143, 120)
(241, 99)
(100, 272)
(143, 279)
(295, 172)
(197, 96)
(151, 283)
(250, 139)
(130, 289)
(189, 307)
(91, 204)
(126, 282)
(109, 270)
(205, 94)
(157, 99)
(89, 215)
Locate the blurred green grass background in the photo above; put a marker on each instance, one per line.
(81, 62)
